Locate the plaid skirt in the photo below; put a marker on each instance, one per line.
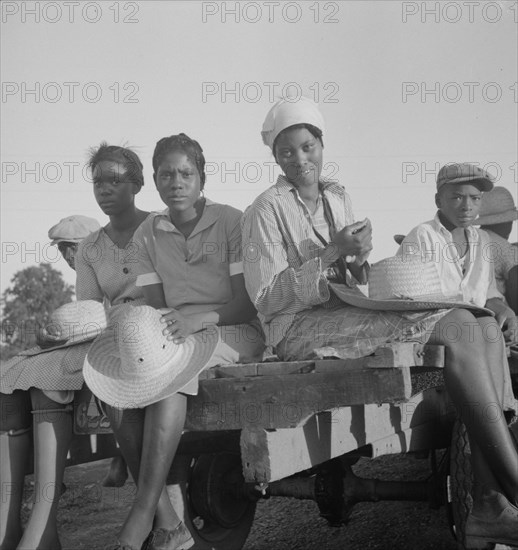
(57, 372)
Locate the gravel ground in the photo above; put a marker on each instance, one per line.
(90, 515)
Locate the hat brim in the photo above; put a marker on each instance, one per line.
(483, 183)
(106, 379)
(88, 336)
(492, 219)
(355, 297)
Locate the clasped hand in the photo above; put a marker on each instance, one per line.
(355, 240)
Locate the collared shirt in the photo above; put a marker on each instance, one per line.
(194, 271)
(435, 243)
(505, 257)
(283, 272)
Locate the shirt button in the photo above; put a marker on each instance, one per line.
(125, 270)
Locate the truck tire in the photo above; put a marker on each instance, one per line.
(206, 493)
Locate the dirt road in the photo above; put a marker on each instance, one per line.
(90, 516)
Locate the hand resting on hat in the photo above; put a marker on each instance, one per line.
(178, 326)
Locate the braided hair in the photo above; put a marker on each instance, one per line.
(123, 155)
(181, 142)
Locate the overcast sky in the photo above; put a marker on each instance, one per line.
(404, 87)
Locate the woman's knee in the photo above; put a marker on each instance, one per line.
(15, 411)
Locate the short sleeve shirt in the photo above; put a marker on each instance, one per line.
(195, 271)
(106, 272)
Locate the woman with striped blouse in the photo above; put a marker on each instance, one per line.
(300, 234)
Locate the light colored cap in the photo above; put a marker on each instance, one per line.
(465, 173)
(288, 112)
(497, 207)
(132, 364)
(73, 229)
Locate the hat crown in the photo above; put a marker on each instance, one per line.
(77, 320)
(289, 112)
(466, 173)
(409, 276)
(142, 346)
(73, 228)
(498, 201)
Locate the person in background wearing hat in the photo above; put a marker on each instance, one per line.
(37, 390)
(69, 232)
(460, 252)
(299, 236)
(496, 216)
(189, 262)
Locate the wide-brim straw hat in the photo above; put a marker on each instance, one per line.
(73, 229)
(497, 207)
(132, 364)
(72, 324)
(403, 283)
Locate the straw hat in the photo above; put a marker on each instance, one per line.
(73, 229)
(402, 283)
(72, 324)
(132, 364)
(497, 207)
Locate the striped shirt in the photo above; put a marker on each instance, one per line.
(283, 273)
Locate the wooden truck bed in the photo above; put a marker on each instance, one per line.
(286, 417)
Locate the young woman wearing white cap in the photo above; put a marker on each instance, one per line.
(44, 383)
(298, 236)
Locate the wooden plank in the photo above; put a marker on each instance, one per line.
(270, 455)
(287, 401)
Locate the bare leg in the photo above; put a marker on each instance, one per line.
(15, 450)
(52, 436)
(149, 445)
(472, 384)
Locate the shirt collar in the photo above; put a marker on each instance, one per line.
(472, 231)
(208, 217)
(283, 186)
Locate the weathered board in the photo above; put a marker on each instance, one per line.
(421, 423)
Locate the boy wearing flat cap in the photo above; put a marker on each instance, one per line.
(461, 251)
